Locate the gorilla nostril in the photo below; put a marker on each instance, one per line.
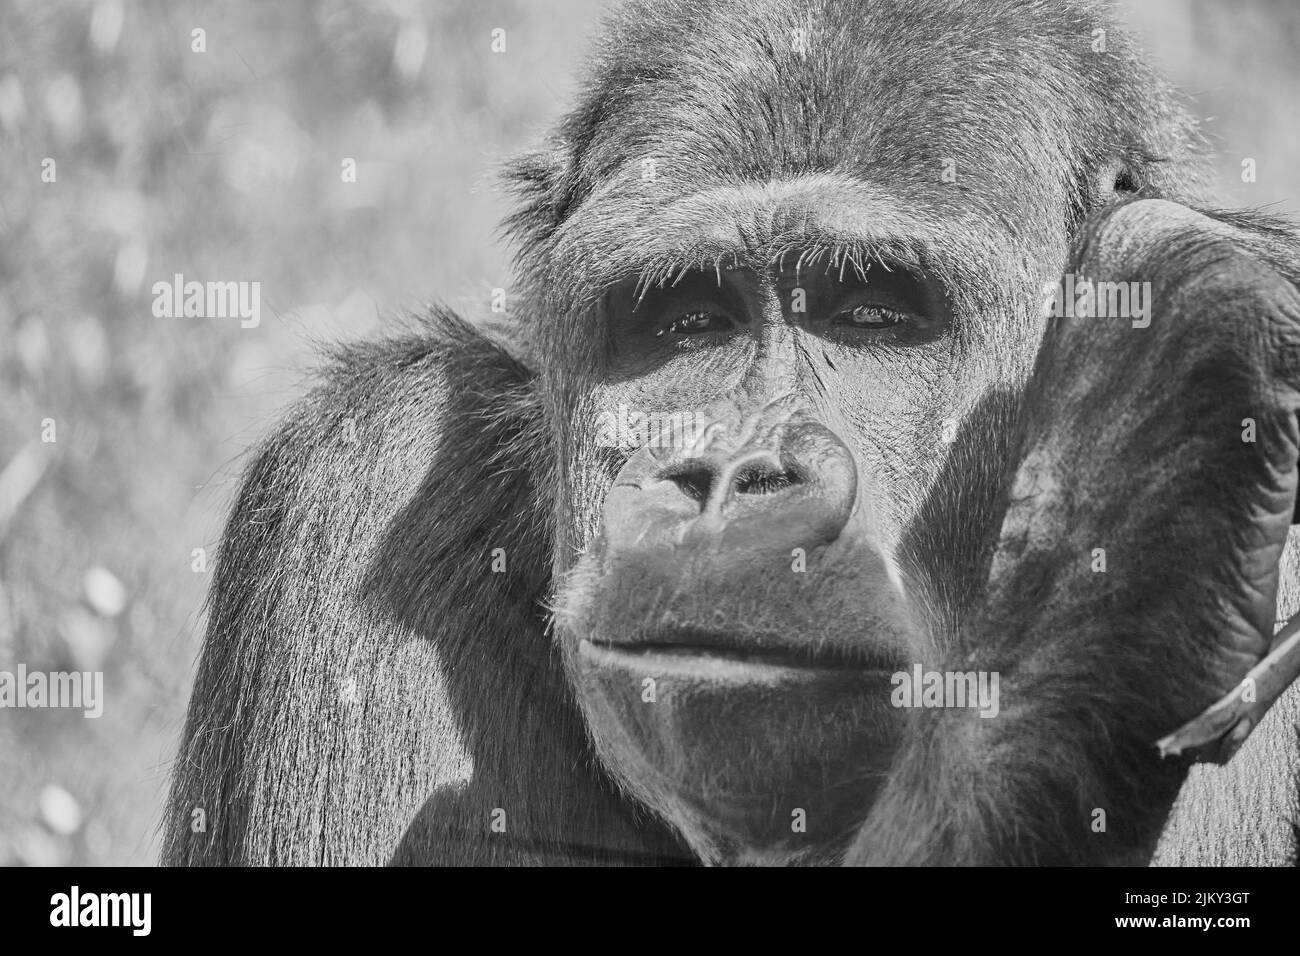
(693, 478)
(755, 473)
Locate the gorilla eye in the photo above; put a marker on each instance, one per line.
(869, 317)
(890, 307)
(698, 323)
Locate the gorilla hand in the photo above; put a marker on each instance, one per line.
(1136, 573)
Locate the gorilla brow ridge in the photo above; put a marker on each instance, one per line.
(836, 249)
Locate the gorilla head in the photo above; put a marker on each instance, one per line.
(781, 254)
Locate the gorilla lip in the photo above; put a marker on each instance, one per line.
(707, 646)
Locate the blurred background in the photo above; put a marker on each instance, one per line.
(225, 164)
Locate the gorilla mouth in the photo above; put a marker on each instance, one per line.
(703, 647)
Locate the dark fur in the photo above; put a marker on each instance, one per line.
(370, 560)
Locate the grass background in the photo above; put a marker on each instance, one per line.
(225, 165)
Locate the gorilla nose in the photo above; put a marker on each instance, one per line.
(714, 480)
(766, 482)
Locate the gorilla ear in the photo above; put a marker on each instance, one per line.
(1121, 178)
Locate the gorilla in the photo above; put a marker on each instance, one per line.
(886, 447)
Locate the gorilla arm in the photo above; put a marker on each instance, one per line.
(1131, 442)
(369, 690)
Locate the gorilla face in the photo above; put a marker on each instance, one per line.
(763, 437)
